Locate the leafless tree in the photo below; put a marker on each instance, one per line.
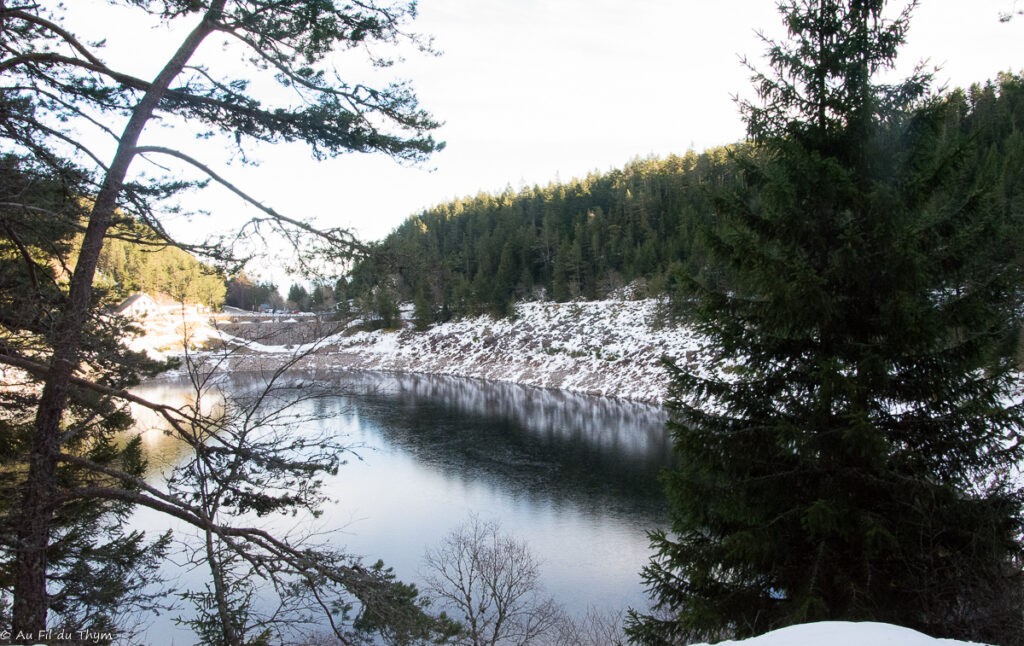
(490, 582)
(249, 455)
(248, 458)
(594, 628)
(1009, 14)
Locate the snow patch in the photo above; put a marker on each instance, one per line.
(845, 633)
(612, 348)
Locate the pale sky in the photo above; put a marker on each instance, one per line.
(537, 90)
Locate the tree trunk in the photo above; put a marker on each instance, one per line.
(220, 593)
(38, 493)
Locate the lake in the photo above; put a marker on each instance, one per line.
(573, 476)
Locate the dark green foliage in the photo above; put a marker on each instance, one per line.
(298, 297)
(99, 571)
(321, 297)
(423, 310)
(244, 294)
(582, 239)
(35, 245)
(849, 450)
(58, 97)
(134, 259)
(392, 614)
(385, 305)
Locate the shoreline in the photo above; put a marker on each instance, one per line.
(608, 348)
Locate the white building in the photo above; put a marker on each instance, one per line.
(138, 306)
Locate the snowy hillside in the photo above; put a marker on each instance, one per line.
(610, 348)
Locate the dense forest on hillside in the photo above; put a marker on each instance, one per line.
(580, 239)
(135, 260)
(584, 238)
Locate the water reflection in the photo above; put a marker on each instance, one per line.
(574, 476)
(163, 451)
(547, 444)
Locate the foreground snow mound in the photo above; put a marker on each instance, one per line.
(845, 633)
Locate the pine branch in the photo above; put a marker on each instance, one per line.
(334, 236)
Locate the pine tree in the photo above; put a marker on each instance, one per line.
(423, 310)
(848, 450)
(298, 297)
(58, 92)
(502, 301)
(100, 572)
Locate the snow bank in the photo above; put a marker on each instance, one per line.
(844, 633)
(611, 348)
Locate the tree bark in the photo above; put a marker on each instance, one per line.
(39, 492)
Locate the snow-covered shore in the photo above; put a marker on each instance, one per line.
(607, 348)
(845, 633)
(611, 348)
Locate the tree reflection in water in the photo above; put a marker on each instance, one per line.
(574, 476)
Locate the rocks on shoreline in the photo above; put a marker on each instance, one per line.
(612, 348)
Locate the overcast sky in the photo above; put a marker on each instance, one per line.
(536, 90)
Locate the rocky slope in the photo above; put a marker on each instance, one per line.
(611, 348)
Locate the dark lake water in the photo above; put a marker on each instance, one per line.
(573, 476)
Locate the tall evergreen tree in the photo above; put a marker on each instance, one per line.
(298, 297)
(849, 451)
(58, 91)
(99, 570)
